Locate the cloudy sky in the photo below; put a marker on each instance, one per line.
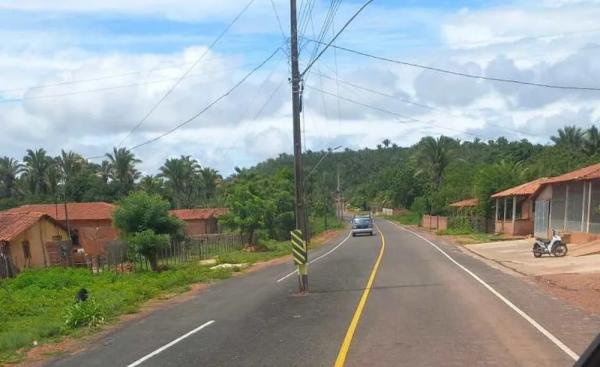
(81, 75)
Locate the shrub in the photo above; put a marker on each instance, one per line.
(84, 314)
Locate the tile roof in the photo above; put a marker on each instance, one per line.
(195, 214)
(75, 211)
(585, 173)
(465, 203)
(528, 188)
(13, 224)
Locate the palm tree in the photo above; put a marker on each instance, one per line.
(69, 164)
(182, 180)
(37, 169)
(122, 168)
(104, 171)
(210, 181)
(570, 136)
(433, 154)
(386, 143)
(591, 144)
(9, 170)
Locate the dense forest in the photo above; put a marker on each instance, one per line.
(424, 177)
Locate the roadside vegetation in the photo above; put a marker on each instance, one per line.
(408, 218)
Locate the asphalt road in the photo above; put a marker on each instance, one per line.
(423, 309)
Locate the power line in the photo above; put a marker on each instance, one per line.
(211, 104)
(170, 90)
(336, 36)
(466, 75)
(283, 35)
(114, 87)
(429, 107)
(399, 117)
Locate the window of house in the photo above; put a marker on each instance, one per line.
(509, 208)
(575, 206)
(26, 249)
(557, 207)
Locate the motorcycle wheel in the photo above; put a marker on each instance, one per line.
(560, 250)
(537, 254)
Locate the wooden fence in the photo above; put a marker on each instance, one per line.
(434, 222)
(118, 258)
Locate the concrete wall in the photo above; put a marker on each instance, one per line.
(521, 227)
(37, 235)
(434, 222)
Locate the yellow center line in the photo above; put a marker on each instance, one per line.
(341, 358)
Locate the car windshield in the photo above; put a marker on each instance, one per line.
(362, 220)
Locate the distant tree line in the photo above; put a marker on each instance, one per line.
(41, 178)
(434, 172)
(424, 177)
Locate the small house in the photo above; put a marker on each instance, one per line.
(24, 238)
(514, 208)
(465, 207)
(200, 221)
(90, 224)
(570, 204)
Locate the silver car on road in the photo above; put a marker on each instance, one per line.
(362, 225)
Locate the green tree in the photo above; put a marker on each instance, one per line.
(247, 208)
(494, 178)
(145, 223)
(9, 170)
(37, 169)
(591, 144)
(122, 169)
(434, 155)
(570, 137)
(182, 180)
(210, 182)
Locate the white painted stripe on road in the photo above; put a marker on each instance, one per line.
(169, 345)
(529, 319)
(316, 258)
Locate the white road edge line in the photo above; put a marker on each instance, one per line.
(529, 319)
(169, 345)
(316, 258)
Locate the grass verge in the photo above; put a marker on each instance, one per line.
(407, 219)
(34, 306)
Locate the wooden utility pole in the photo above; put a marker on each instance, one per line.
(298, 168)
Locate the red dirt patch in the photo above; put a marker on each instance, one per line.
(580, 290)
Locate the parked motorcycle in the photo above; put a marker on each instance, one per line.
(554, 246)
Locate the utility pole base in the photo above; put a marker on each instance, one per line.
(303, 278)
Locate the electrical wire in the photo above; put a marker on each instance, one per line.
(114, 87)
(196, 62)
(211, 104)
(399, 117)
(429, 107)
(466, 75)
(336, 36)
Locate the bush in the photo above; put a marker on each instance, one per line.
(84, 314)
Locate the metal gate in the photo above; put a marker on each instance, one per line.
(542, 218)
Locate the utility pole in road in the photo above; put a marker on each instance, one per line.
(298, 167)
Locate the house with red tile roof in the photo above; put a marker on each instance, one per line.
(200, 221)
(90, 223)
(570, 204)
(24, 238)
(514, 208)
